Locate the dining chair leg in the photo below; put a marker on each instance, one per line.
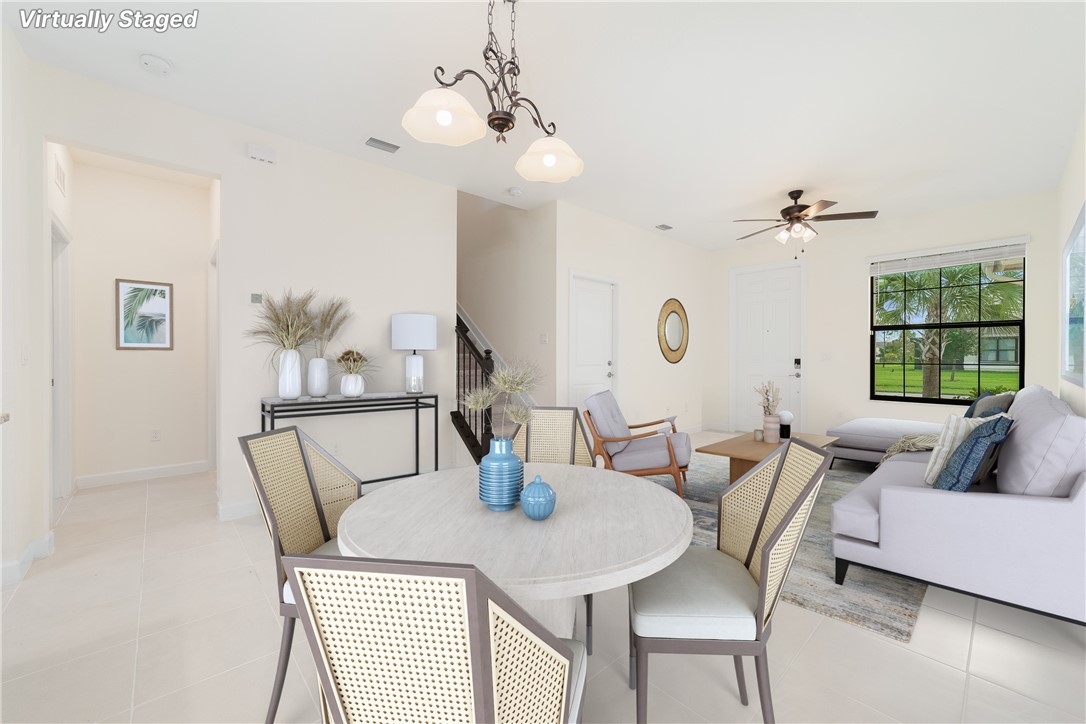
(642, 685)
(741, 679)
(281, 672)
(633, 660)
(588, 623)
(761, 669)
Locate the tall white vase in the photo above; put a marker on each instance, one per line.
(318, 377)
(290, 374)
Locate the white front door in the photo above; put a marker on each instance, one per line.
(592, 364)
(767, 341)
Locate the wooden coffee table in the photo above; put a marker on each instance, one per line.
(744, 452)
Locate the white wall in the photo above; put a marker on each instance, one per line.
(835, 370)
(384, 239)
(1070, 195)
(648, 269)
(131, 226)
(505, 268)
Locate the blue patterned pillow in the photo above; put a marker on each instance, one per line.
(965, 463)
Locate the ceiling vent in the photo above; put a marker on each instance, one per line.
(382, 145)
(664, 227)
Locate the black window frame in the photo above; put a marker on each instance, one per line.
(905, 328)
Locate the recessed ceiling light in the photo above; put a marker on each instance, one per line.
(155, 65)
(515, 191)
(664, 227)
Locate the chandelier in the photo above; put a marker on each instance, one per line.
(444, 116)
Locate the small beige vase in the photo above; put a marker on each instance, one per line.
(771, 426)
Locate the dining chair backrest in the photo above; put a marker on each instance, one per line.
(553, 435)
(337, 487)
(764, 513)
(426, 642)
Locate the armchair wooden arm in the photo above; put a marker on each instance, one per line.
(627, 439)
(669, 420)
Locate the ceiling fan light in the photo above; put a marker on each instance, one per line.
(783, 236)
(441, 115)
(551, 160)
(796, 230)
(808, 234)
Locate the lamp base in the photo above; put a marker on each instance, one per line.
(413, 374)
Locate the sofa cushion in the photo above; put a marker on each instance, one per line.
(955, 431)
(608, 419)
(987, 401)
(968, 460)
(1046, 449)
(857, 513)
(651, 452)
(878, 433)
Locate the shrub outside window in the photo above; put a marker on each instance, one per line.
(946, 334)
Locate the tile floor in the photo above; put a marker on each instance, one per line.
(151, 610)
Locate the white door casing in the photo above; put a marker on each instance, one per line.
(592, 364)
(767, 337)
(62, 443)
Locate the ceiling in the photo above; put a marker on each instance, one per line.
(688, 114)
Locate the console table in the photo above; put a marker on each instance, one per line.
(273, 409)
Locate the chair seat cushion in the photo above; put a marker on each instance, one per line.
(651, 452)
(580, 674)
(705, 594)
(331, 548)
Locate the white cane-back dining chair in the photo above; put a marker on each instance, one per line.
(303, 491)
(721, 600)
(556, 435)
(401, 641)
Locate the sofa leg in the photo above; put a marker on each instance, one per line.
(842, 568)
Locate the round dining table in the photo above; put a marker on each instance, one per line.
(608, 529)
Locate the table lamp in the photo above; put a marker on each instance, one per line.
(414, 332)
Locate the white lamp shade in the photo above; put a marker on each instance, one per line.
(442, 115)
(786, 417)
(809, 234)
(414, 331)
(782, 236)
(551, 160)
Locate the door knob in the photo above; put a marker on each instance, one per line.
(610, 374)
(797, 375)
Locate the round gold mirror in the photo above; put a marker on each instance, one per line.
(673, 330)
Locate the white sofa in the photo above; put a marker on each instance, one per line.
(1018, 539)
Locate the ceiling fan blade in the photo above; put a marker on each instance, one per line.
(845, 217)
(760, 231)
(818, 208)
(756, 220)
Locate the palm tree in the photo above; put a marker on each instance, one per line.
(951, 294)
(145, 324)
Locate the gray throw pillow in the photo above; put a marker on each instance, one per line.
(982, 405)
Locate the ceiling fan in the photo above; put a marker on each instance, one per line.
(796, 219)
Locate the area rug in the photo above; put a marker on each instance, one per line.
(881, 602)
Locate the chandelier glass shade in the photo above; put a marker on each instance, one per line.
(444, 116)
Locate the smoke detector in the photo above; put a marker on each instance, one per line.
(155, 65)
(515, 191)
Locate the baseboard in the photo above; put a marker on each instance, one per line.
(233, 511)
(132, 476)
(13, 571)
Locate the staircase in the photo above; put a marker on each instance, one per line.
(473, 368)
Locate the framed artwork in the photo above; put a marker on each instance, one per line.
(1074, 290)
(144, 315)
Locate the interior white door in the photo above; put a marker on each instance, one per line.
(592, 364)
(767, 344)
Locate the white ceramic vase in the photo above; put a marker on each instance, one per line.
(771, 426)
(352, 385)
(318, 377)
(290, 374)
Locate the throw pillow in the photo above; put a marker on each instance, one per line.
(964, 466)
(954, 432)
(991, 412)
(973, 408)
(989, 401)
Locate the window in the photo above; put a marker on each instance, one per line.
(1074, 289)
(947, 327)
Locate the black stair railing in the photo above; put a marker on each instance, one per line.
(473, 369)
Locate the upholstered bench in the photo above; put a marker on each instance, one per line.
(867, 438)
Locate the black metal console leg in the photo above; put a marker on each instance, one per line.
(842, 568)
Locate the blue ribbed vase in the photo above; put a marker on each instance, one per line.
(501, 476)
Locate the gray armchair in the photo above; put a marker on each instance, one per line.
(656, 452)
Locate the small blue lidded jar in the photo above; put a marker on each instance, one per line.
(538, 499)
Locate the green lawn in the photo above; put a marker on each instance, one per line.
(888, 381)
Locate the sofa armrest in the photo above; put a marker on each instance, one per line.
(1019, 548)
